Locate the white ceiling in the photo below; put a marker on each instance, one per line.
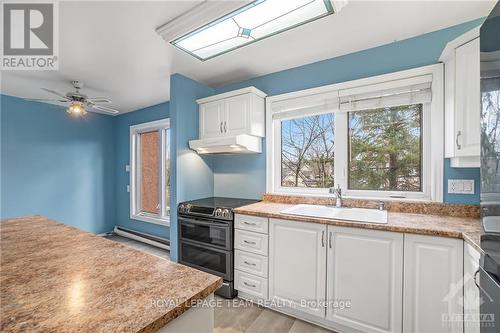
(113, 47)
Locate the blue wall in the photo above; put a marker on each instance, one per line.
(123, 123)
(57, 166)
(191, 174)
(461, 173)
(414, 52)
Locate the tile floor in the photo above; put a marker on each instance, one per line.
(238, 316)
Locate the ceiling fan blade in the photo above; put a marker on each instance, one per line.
(104, 109)
(47, 100)
(56, 93)
(98, 100)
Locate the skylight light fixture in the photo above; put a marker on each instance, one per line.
(253, 22)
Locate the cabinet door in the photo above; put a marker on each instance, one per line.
(236, 115)
(297, 265)
(471, 300)
(211, 119)
(433, 272)
(467, 99)
(365, 268)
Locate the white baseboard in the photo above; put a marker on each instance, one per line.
(137, 236)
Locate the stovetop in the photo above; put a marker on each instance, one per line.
(220, 202)
(214, 207)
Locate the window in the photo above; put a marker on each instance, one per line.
(150, 172)
(385, 149)
(307, 147)
(372, 137)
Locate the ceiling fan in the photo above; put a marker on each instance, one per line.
(79, 103)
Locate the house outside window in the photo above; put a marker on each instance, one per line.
(150, 172)
(377, 138)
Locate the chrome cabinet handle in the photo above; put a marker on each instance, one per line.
(225, 126)
(251, 243)
(459, 146)
(248, 223)
(220, 126)
(249, 285)
(323, 238)
(249, 263)
(330, 240)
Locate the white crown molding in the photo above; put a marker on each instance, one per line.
(202, 14)
(449, 50)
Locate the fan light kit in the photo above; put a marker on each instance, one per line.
(79, 103)
(255, 21)
(76, 109)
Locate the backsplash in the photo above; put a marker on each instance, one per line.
(428, 208)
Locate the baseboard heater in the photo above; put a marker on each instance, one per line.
(143, 237)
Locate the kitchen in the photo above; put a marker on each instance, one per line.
(346, 188)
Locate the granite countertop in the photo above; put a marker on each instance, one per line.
(466, 228)
(56, 278)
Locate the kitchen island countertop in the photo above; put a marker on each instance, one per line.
(56, 278)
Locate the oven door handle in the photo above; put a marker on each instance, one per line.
(187, 221)
(475, 279)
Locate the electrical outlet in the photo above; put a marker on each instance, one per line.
(461, 186)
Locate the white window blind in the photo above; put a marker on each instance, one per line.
(308, 105)
(392, 93)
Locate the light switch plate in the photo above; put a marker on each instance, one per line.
(127, 168)
(461, 186)
(128, 188)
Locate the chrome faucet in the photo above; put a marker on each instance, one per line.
(337, 192)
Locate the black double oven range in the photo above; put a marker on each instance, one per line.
(206, 237)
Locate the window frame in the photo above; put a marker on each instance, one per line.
(432, 131)
(135, 180)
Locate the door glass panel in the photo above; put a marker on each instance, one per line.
(203, 257)
(150, 158)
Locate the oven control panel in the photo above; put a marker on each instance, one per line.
(218, 212)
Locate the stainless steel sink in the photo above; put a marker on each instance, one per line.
(343, 213)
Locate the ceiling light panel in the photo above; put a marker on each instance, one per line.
(253, 22)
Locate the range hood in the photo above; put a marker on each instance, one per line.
(238, 144)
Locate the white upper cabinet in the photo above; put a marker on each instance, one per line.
(365, 267)
(462, 100)
(297, 265)
(211, 118)
(233, 113)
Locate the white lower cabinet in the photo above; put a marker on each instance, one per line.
(471, 299)
(433, 286)
(250, 284)
(297, 265)
(362, 280)
(251, 257)
(365, 268)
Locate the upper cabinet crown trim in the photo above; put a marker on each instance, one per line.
(449, 50)
(232, 93)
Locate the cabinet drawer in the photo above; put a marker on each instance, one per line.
(250, 263)
(251, 242)
(252, 223)
(250, 284)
